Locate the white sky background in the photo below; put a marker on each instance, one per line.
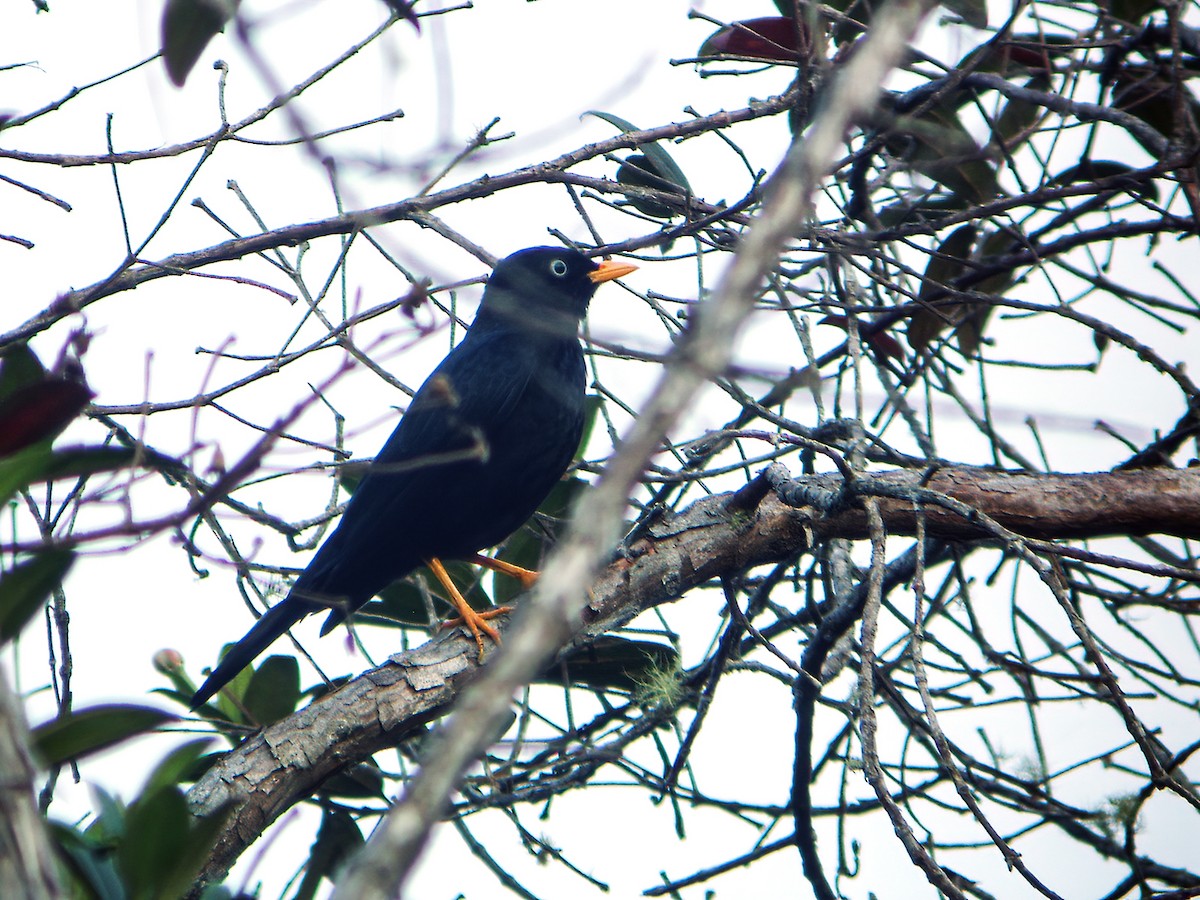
(537, 66)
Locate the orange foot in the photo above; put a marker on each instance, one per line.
(527, 577)
(477, 622)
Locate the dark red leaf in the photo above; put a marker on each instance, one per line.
(773, 38)
(881, 342)
(1031, 56)
(404, 10)
(1030, 52)
(38, 411)
(417, 295)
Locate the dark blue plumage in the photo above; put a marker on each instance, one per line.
(482, 443)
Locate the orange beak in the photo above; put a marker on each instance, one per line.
(609, 270)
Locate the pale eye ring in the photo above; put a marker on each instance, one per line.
(558, 267)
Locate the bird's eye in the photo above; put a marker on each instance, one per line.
(559, 268)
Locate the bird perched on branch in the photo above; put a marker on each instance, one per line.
(486, 437)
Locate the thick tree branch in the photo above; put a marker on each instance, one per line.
(1047, 507)
(719, 535)
(28, 868)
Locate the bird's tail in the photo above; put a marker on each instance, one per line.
(274, 622)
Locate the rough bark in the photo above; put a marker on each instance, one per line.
(719, 535)
(28, 870)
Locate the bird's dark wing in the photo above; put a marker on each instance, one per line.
(477, 386)
(412, 495)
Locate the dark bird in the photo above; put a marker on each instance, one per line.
(486, 437)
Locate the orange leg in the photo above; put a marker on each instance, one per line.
(527, 577)
(475, 621)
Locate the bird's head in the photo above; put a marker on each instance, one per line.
(547, 287)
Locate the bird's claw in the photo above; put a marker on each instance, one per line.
(476, 623)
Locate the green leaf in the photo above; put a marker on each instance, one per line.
(187, 27)
(946, 264)
(274, 690)
(351, 474)
(591, 412)
(527, 545)
(363, 782)
(1153, 100)
(85, 731)
(625, 126)
(1015, 123)
(159, 847)
(108, 824)
(22, 469)
(164, 846)
(997, 243)
(400, 603)
(1133, 11)
(638, 171)
(156, 835)
(19, 368)
(178, 767)
(1089, 170)
(611, 663)
(971, 12)
(967, 318)
(84, 461)
(39, 463)
(25, 588)
(660, 160)
(337, 839)
(225, 704)
(91, 863)
(937, 145)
